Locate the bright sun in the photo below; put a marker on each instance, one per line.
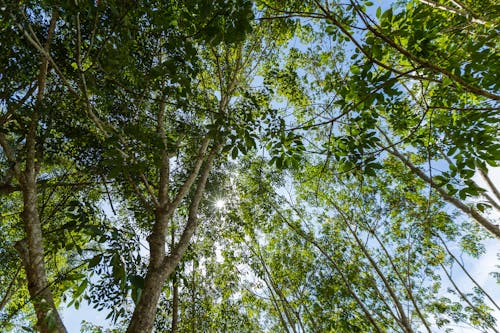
(220, 204)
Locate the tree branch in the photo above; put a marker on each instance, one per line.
(485, 223)
(451, 10)
(192, 221)
(192, 176)
(492, 186)
(424, 62)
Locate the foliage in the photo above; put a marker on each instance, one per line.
(342, 138)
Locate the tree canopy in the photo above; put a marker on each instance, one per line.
(249, 166)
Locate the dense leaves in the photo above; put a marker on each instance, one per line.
(238, 166)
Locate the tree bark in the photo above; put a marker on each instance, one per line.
(48, 319)
(31, 251)
(175, 305)
(161, 266)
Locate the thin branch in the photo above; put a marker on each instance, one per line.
(424, 62)
(192, 221)
(485, 223)
(404, 319)
(192, 176)
(7, 116)
(344, 278)
(149, 189)
(274, 289)
(465, 298)
(139, 193)
(10, 287)
(452, 10)
(484, 194)
(401, 278)
(33, 40)
(492, 186)
(466, 271)
(464, 108)
(103, 177)
(163, 186)
(370, 57)
(89, 108)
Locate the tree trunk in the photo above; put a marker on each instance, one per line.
(143, 318)
(193, 296)
(175, 305)
(48, 319)
(31, 251)
(160, 266)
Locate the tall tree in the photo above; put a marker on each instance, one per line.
(345, 136)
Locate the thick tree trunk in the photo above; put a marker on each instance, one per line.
(144, 314)
(48, 319)
(161, 266)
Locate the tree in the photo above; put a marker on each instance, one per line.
(96, 43)
(394, 95)
(122, 124)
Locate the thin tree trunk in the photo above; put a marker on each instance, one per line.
(339, 270)
(492, 186)
(193, 296)
(175, 290)
(492, 228)
(482, 315)
(406, 285)
(403, 319)
(276, 290)
(175, 305)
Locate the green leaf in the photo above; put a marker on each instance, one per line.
(94, 261)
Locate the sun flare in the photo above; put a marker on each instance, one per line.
(220, 204)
